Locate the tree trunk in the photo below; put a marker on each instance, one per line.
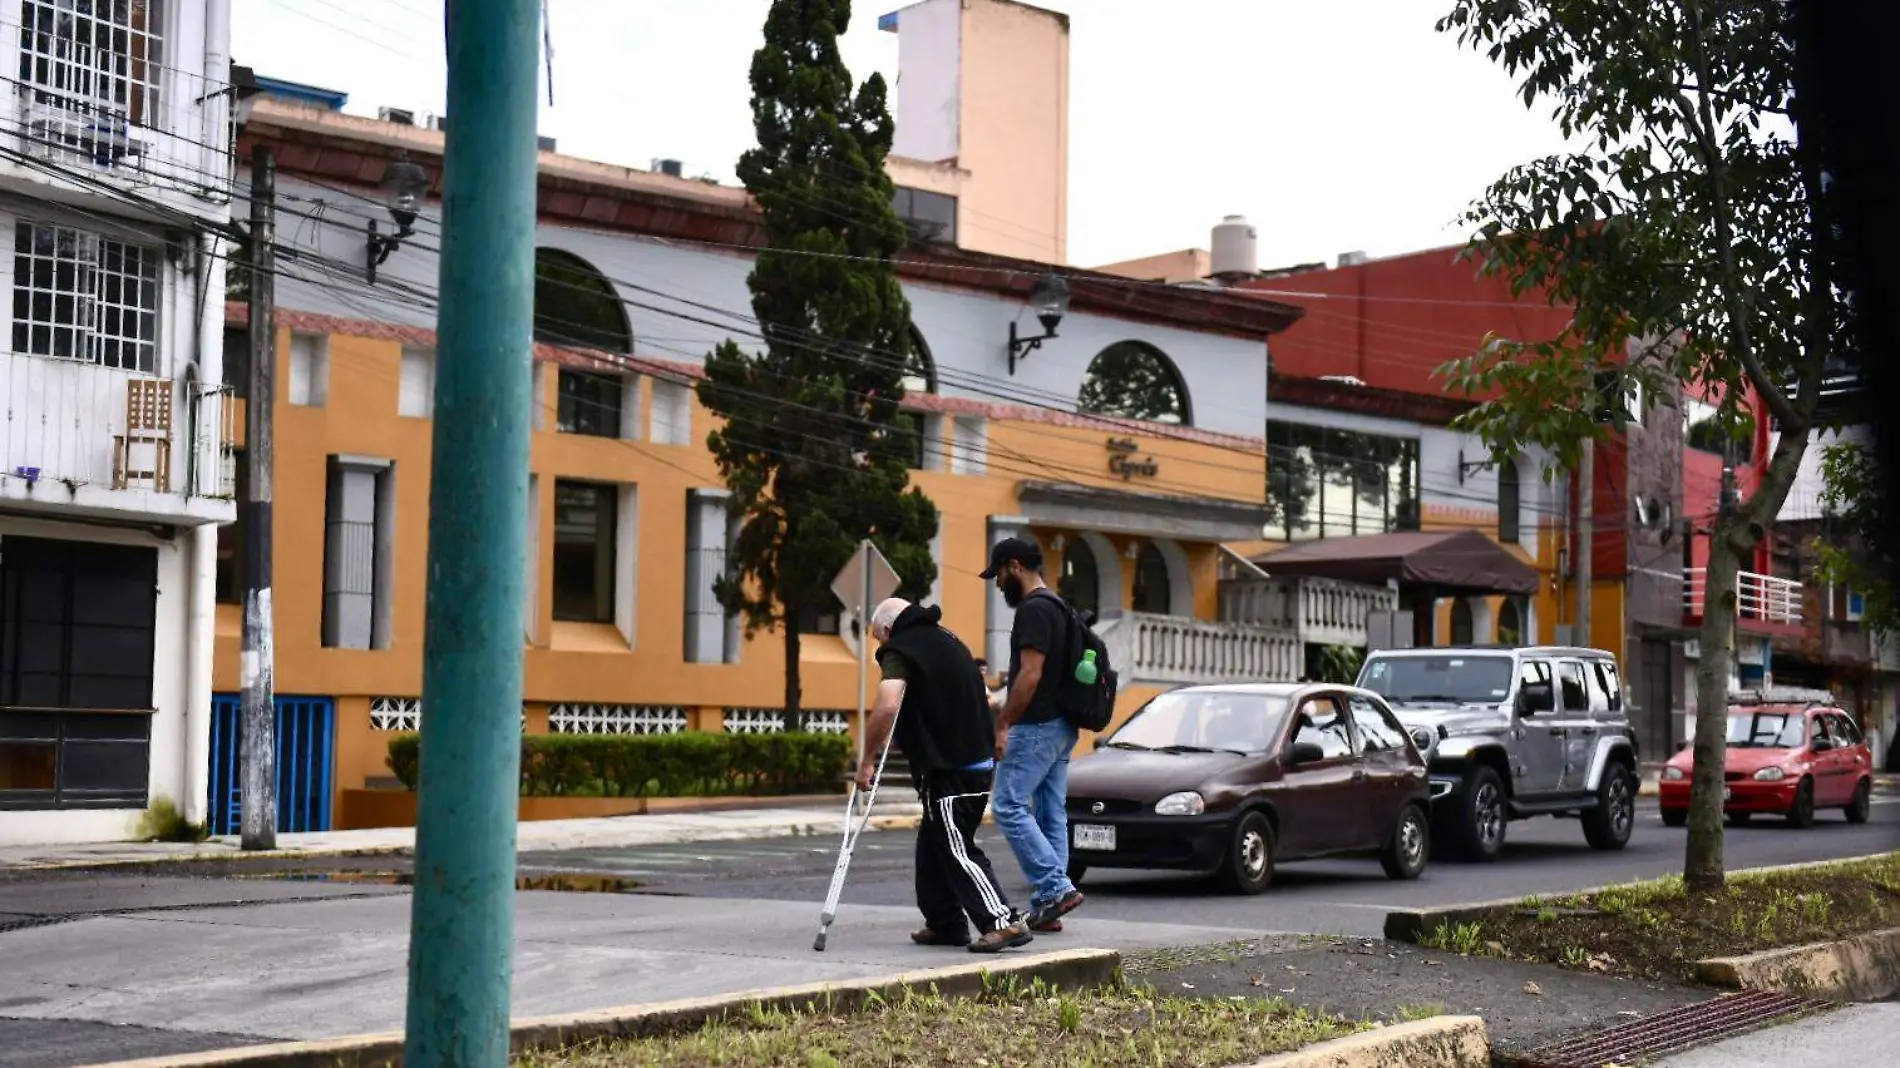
(794, 712)
(1702, 862)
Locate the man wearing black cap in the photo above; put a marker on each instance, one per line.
(1034, 737)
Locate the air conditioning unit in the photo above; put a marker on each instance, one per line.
(399, 116)
(52, 132)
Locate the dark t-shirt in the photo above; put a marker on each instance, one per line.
(1042, 624)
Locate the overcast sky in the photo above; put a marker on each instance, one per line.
(1333, 125)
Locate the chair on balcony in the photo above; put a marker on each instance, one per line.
(148, 423)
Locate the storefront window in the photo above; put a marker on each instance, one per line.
(1325, 482)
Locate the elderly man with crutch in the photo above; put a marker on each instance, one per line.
(931, 702)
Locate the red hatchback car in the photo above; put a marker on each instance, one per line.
(1785, 758)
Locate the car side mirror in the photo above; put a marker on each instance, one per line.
(1304, 753)
(1820, 745)
(1536, 697)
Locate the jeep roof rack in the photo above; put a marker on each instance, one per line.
(1781, 695)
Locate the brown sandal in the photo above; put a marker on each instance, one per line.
(930, 936)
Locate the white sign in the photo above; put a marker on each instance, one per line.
(860, 591)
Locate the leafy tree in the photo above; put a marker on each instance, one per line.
(1854, 498)
(811, 446)
(1683, 234)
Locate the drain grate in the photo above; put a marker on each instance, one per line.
(1671, 1031)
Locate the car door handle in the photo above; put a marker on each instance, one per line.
(1589, 730)
(1556, 732)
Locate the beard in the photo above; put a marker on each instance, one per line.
(1012, 591)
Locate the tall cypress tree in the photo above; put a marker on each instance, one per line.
(810, 445)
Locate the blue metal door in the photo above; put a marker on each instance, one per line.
(306, 741)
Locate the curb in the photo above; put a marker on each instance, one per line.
(1440, 1042)
(1862, 968)
(1070, 968)
(823, 828)
(1409, 925)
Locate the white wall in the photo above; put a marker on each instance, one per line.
(169, 692)
(929, 49)
(967, 330)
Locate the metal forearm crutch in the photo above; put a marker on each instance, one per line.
(854, 822)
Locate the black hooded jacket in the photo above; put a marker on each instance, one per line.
(944, 722)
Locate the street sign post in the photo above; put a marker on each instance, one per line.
(862, 584)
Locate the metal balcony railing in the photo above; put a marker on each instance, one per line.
(1760, 598)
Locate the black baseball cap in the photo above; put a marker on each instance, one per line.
(1018, 549)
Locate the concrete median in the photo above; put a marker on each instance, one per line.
(1440, 1042)
(1067, 969)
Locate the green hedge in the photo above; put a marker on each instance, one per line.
(689, 764)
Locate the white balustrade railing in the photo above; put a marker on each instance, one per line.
(1763, 598)
(1178, 651)
(1318, 610)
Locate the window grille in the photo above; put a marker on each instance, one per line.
(90, 72)
(615, 719)
(80, 296)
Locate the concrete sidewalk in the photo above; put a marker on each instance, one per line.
(823, 821)
(182, 962)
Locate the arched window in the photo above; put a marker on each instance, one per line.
(920, 371)
(1153, 590)
(1080, 583)
(575, 306)
(1510, 623)
(1461, 627)
(1510, 496)
(1135, 380)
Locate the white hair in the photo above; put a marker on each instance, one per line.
(885, 617)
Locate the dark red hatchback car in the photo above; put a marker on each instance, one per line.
(1235, 779)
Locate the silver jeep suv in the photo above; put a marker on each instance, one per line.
(1510, 733)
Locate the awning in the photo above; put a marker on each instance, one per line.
(1452, 563)
(1150, 515)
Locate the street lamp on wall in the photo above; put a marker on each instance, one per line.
(1051, 300)
(404, 183)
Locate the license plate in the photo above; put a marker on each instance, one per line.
(1727, 793)
(1090, 836)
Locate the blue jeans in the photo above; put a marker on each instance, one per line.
(1035, 770)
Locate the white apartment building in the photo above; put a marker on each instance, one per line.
(115, 430)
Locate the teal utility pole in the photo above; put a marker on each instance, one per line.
(461, 925)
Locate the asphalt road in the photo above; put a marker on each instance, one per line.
(1543, 856)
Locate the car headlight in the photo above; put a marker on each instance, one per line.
(1187, 803)
(1422, 739)
(1673, 773)
(1770, 775)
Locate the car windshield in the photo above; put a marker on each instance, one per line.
(1767, 730)
(1204, 721)
(1453, 679)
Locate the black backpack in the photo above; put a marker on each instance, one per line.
(1088, 707)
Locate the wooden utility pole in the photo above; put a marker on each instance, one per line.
(258, 755)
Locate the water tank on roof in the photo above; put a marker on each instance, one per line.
(1234, 251)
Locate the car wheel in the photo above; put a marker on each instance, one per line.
(1479, 821)
(1249, 866)
(1801, 813)
(1409, 845)
(1675, 817)
(1608, 825)
(1862, 805)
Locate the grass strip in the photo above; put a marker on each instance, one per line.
(1111, 1027)
(1659, 929)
